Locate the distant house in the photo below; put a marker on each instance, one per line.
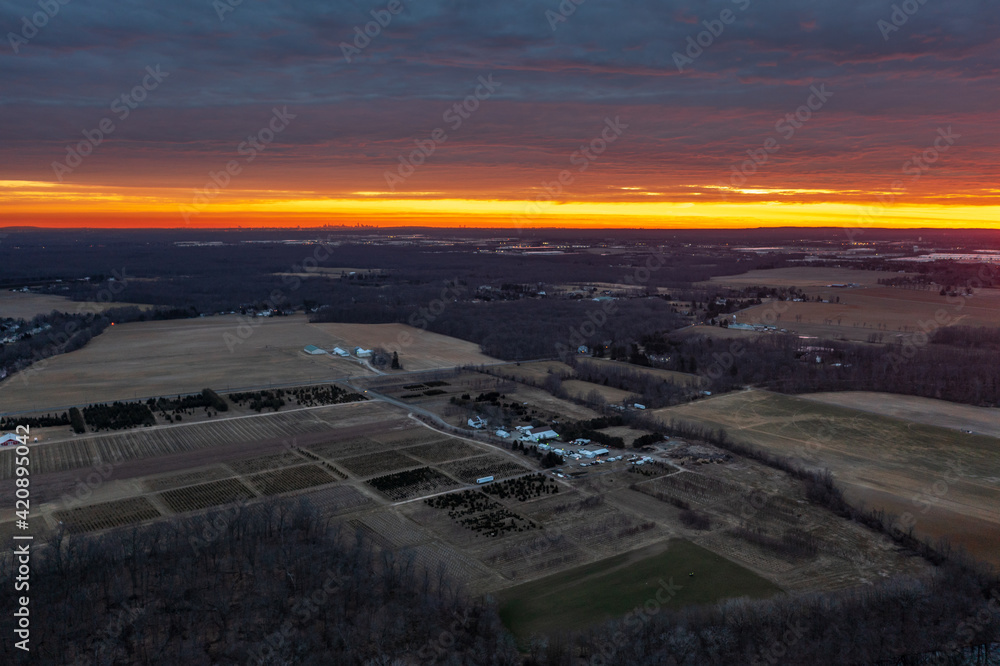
(362, 353)
(583, 349)
(543, 435)
(502, 433)
(638, 406)
(9, 439)
(313, 349)
(341, 352)
(477, 422)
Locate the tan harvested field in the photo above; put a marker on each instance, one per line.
(980, 420)
(581, 389)
(180, 356)
(418, 349)
(947, 480)
(893, 313)
(714, 332)
(800, 276)
(20, 305)
(679, 378)
(537, 371)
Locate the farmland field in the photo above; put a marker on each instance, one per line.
(679, 378)
(589, 594)
(109, 514)
(373, 464)
(801, 276)
(177, 356)
(290, 479)
(894, 313)
(947, 480)
(981, 420)
(19, 305)
(215, 493)
(493, 465)
(581, 389)
(418, 349)
(443, 450)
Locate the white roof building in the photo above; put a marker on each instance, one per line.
(9, 439)
(340, 352)
(362, 353)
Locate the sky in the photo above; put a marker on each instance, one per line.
(524, 113)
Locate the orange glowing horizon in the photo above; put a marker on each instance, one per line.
(55, 205)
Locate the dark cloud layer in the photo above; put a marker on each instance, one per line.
(561, 74)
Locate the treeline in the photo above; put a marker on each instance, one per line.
(118, 416)
(545, 328)
(945, 621)
(274, 583)
(47, 421)
(968, 337)
(650, 390)
(780, 363)
(589, 430)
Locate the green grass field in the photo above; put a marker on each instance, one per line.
(947, 480)
(592, 593)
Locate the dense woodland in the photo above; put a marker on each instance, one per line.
(278, 584)
(965, 374)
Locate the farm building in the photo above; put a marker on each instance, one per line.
(593, 453)
(313, 349)
(362, 353)
(477, 422)
(542, 435)
(9, 439)
(341, 352)
(502, 433)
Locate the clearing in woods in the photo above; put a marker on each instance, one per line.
(679, 378)
(587, 595)
(947, 480)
